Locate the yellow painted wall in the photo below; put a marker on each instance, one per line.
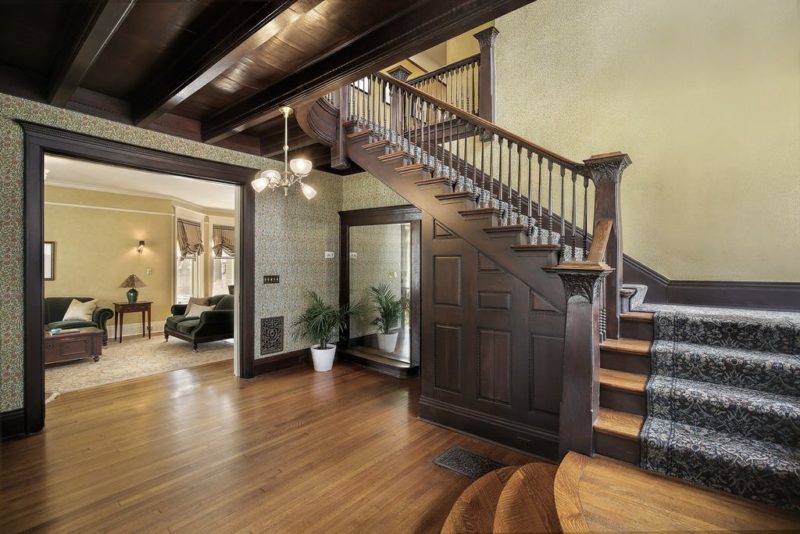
(465, 45)
(703, 95)
(96, 248)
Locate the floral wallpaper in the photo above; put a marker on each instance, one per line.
(292, 233)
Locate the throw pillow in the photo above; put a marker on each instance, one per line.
(80, 311)
(202, 301)
(194, 310)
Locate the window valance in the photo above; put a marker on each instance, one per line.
(224, 240)
(190, 238)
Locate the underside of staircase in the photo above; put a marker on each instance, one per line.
(710, 396)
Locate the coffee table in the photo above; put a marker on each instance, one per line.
(84, 344)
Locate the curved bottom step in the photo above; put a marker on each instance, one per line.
(603, 495)
(474, 511)
(527, 503)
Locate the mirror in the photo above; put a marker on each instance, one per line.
(380, 277)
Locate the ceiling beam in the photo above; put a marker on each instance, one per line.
(105, 18)
(245, 27)
(424, 24)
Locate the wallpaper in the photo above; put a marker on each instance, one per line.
(292, 233)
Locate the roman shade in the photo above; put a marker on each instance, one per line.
(190, 238)
(223, 239)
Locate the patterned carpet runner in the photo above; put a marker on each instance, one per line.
(723, 401)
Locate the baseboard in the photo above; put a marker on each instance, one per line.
(528, 439)
(12, 423)
(135, 329)
(280, 361)
(783, 296)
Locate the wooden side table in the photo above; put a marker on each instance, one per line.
(121, 308)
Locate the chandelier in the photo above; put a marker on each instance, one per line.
(300, 168)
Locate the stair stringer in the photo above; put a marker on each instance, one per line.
(527, 266)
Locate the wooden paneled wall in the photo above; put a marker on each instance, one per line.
(491, 350)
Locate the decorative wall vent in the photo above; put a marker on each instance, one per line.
(271, 335)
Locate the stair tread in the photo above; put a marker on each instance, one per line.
(523, 248)
(734, 314)
(509, 228)
(624, 381)
(621, 424)
(599, 494)
(474, 511)
(643, 317)
(527, 502)
(374, 355)
(628, 346)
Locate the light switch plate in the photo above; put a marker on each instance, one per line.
(329, 255)
(272, 279)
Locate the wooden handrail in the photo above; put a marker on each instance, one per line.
(488, 126)
(600, 236)
(447, 68)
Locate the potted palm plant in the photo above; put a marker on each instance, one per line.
(322, 324)
(390, 309)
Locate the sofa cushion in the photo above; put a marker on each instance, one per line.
(188, 325)
(195, 310)
(174, 321)
(69, 324)
(80, 311)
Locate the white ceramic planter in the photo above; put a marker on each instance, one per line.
(387, 342)
(323, 358)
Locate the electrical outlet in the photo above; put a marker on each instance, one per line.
(148, 271)
(272, 279)
(329, 255)
(354, 255)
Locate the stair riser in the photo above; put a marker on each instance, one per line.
(636, 330)
(618, 448)
(517, 238)
(620, 361)
(623, 401)
(459, 203)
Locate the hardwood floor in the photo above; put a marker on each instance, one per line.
(199, 450)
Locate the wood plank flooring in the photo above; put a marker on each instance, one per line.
(199, 450)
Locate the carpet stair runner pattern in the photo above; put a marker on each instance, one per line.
(723, 401)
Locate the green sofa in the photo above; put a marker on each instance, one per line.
(56, 307)
(214, 325)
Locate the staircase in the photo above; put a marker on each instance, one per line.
(669, 389)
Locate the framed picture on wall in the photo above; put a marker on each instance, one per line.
(49, 260)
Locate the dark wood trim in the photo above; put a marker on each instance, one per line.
(12, 423)
(413, 29)
(485, 426)
(106, 17)
(281, 361)
(40, 140)
(385, 215)
(232, 37)
(784, 296)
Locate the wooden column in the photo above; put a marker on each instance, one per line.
(487, 73)
(606, 171)
(397, 107)
(339, 159)
(580, 393)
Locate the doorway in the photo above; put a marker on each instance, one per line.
(40, 141)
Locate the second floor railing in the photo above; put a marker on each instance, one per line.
(457, 84)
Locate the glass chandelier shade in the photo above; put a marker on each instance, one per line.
(293, 171)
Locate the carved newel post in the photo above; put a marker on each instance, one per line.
(606, 171)
(339, 159)
(580, 394)
(397, 105)
(486, 73)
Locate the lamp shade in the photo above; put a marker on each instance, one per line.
(259, 184)
(300, 167)
(308, 191)
(273, 177)
(132, 281)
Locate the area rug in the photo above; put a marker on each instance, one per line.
(723, 401)
(132, 358)
(467, 463)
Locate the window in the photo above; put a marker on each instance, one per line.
(223, 273)
(185, 278)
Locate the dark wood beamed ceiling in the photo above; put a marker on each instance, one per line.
(216, 70)
(415, 28)
(244, 28)
(91, 38)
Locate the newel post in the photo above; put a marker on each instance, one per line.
(606, 171)
(397, 109)
(486, 73)
(339, 159)
(580, 390)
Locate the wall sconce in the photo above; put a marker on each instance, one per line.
(140, 248)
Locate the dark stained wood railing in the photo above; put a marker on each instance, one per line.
(457, 84)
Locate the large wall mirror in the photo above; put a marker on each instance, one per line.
(380, 269)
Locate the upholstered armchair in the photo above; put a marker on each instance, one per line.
(212, 325)
(56, 307)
